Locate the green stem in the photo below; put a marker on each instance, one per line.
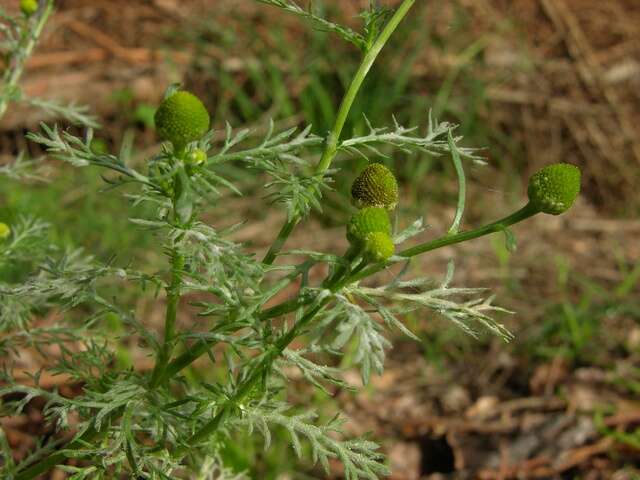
(59, 457)
(335, 283)
(333, 140)
(200, 348)
(247, 385)
(283, 308)
(173, 298)
(277, 245)
(349, 256)
(12, 75)
(359, 273)
(499, 225)
(367, 62)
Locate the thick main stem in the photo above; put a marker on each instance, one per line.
(333, 140)
(248, 384)
(173, 298)
(29, 41)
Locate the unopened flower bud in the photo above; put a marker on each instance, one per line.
(378, 246)
(29, 7)
(181, 118)
(376, 186)
(554, 188)
(5, 231)
(366, 221)
(196, 157)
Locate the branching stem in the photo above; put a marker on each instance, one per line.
(245, 387)
(288, 306)
(360, 272)
(499, 225)
(333, 139)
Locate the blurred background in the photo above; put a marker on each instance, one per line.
(530, 81)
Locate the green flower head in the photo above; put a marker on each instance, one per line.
(99, 146)
(196, 157)
(5, 231)
(366, 221)
(181, 118)
(376, 186)
(28, 7)
(554, 188)
(378, 246)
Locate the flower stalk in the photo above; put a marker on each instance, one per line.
(173, 299)
(333, 139)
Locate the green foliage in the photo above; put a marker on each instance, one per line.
(376, 186)
(573, 328)
(20, 37)
(162, 424)
(630, 439)
(181, 119)
(554, 188)
(321, 23)
(196, 157)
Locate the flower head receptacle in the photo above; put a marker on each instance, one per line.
(376, 186)
(28, 7)
(554, 188)
(378, 246)
(181, 119)
(366, 221)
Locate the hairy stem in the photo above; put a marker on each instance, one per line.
(288, 306)
(333, 139)
(173, 298)
(357, 274)
(499, 225)
(91, 434)
(28, 43)
(245, 387)
(200, 348)
(280, 240)
(349, 256)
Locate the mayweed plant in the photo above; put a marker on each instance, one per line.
(164, 423)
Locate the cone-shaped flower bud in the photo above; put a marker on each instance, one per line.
(376, 186)
(28, 7)
(181, 118)
(378, 246)
(554, 188)
(368, 220)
